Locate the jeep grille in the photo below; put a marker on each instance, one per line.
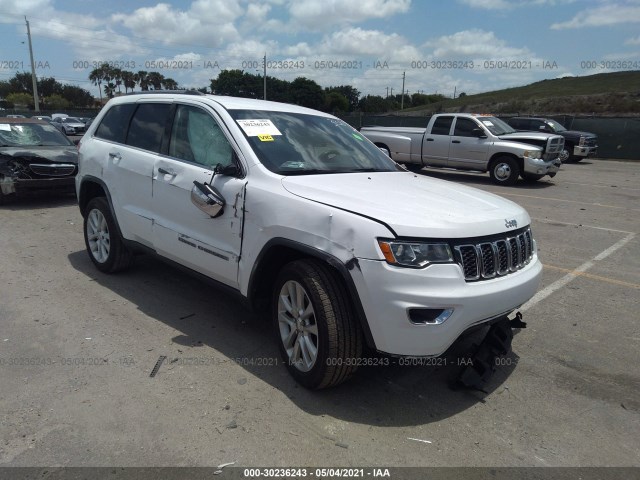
(485, 260)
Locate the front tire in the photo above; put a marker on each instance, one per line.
(104, 244)
(318, 335)
(504, 171)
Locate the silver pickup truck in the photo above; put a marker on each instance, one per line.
(467, 141)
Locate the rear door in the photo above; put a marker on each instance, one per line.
(467, 150)
(435, 143)
(198, 142)
(132, 135)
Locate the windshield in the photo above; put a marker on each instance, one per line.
(495, 125)
(300, 144)
(31, 134)
(555, 126)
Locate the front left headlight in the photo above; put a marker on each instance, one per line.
(535, 154)
(415, 254)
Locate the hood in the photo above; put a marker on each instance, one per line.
(578, 133)
(55, 154)
(412, 205)
(516, 136)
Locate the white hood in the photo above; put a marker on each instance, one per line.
(412, 205)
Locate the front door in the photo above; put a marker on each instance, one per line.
(182, 232)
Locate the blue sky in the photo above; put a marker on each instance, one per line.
(457, 45)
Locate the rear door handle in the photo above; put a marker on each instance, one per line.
(167, 171)
(429, 139)
(115, 155)
(455, 141)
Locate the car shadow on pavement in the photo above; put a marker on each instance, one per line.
(472, 178)
(388, 395)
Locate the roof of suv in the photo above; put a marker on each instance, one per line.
(230, 103)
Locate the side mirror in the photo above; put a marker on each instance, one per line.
(207, 199)
(478, 133)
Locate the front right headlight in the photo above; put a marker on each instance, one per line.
(415, 254)
(535, 154)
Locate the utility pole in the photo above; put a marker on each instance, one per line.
(392, 92)
(264, 95)
(402, 97)
(455, 88)
(387, 93)
(36, 102)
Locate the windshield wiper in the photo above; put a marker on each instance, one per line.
(311, 171)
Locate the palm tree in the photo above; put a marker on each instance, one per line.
(155, 79)
(169, 84)
(116, 73)
(128, 80)
(143, 80)
(96, 77)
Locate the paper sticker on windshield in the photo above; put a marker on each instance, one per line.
(5, 126)
(265, 138)
(255, 128)
(487, 123)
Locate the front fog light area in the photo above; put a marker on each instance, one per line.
(415, 254)
(429, 316)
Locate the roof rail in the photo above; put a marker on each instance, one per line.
(170, 92)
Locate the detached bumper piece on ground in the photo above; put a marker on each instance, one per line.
(482, 363)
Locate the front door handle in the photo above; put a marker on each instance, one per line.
(115, 155)
(429, 139)
(167, 171)
(455, 141)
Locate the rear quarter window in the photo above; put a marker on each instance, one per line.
(114, 125)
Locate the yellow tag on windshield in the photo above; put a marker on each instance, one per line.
(265, 138)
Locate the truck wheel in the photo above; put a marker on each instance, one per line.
(105, 246)
(565, 154)
(504, 171)
(318, 337)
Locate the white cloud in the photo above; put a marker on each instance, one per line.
(206, 22)
(633, 41)
(475, 43)
(319, 14)
(508, 4)
(602, 16)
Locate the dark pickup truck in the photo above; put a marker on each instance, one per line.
(577, 145)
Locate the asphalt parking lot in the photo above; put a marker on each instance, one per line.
(77, 348)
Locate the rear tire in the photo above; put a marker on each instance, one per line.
(104, 244)
(318, 335)
(504, 171)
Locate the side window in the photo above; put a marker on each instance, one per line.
(442, 126)
(197, 137)
(538, 125)
(147, 126)
(115, 122)
(465, 127)
(518, 123)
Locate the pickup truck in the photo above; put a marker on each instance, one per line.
(577, 144)
(467, 141)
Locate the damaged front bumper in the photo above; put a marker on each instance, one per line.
(539, 166)
(18, 186)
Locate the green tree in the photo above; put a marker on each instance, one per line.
(20, 98)
(142, 78)
(56, 102)
(350, 93)
(335, 102)
(96, 76)
(307, 93)
(155, 80)
(169, 84)
(128, 80)
(77, 97)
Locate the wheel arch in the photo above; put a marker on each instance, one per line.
(498, 155)
(92, 187)
(277, 252)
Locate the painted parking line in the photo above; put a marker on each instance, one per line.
(600, 186)
(593, 277)
(562, 200)
(558, 284)
(554, 222)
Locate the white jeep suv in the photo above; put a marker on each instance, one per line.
(303, 217)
